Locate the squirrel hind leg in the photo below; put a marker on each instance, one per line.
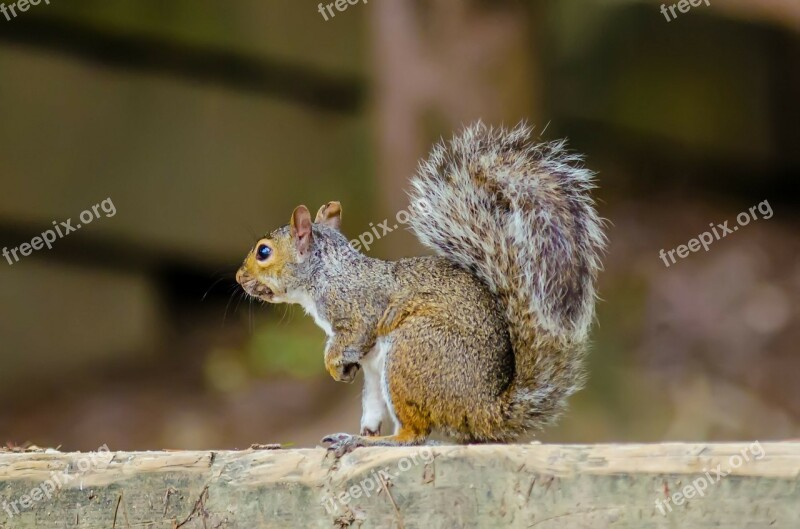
(342, 443)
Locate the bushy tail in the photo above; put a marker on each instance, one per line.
(519, 216)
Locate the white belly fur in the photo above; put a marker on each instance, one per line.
(376, 402)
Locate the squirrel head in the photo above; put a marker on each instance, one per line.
(282, 265)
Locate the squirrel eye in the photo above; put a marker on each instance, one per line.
(263, 252)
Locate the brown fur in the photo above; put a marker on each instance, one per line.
(484, 342)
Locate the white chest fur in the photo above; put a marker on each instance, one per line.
(307, 302)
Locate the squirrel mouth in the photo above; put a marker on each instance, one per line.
(263, 291)
(258, 290)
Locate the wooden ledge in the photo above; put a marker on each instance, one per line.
(513, 486)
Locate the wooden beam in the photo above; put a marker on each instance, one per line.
(517, 486)
(324, 91)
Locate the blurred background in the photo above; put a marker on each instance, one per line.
(206, 122)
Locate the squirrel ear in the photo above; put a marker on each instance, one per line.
(300, 230)
(330, 215)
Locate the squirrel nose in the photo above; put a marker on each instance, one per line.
(239, 276)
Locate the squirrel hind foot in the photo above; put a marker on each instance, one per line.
(343, 443)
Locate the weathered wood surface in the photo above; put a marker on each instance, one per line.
(517, 486)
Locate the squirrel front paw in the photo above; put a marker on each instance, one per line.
(342, 371)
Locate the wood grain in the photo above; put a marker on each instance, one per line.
(515, 486)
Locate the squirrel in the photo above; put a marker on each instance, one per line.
(483, 342)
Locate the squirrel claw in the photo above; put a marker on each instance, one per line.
(342, 443)
(366, 432)
(335, 438)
